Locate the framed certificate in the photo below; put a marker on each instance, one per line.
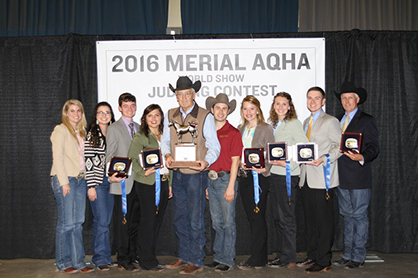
(151, 158)
(254, 157)
(351, 141)
(185, 156)
(119, 165)
(305, 152)
(277, 151)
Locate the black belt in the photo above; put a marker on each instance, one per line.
(222, 173)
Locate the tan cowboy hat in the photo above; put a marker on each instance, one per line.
(221, 98)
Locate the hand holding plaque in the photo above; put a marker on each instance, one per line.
(185, 153)
(120, 166)
(351, 141)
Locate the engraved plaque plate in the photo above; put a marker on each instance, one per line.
(254, 157)
(151, 158)
(119, 165)
(277, 151)
(351, 141)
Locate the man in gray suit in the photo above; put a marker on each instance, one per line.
(118, 140)
(318, 201)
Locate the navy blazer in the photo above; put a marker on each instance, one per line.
(352, 174)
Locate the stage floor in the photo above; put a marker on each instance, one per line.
(394, 265)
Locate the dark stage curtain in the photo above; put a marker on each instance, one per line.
(95, 17)
(239, 16)
(38, 74)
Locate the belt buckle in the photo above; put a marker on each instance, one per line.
(81, 175)
(164, 177)
(212, 175)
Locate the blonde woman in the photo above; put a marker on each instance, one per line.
(69, 186)
(256, 133)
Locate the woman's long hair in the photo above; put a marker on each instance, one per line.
(95, 131)
(144, 126)
(290, 115)
(253, 100)
(81, 125)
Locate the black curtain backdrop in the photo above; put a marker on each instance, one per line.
(92, 17)
(38, 74)
(239, 16)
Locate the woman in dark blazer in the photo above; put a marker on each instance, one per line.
(256, 133)
(151, 215)
(287, 129)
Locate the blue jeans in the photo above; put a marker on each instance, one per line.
(102, 209)
(223, 221)
(189, 200)
(69, 249)
(353, 205)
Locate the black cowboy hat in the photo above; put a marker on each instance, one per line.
(349, 87)
(184, 83)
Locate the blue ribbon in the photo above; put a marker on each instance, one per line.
(157, 186)
(327, 173)
(124, 203)
(257, 188)
(288, 180)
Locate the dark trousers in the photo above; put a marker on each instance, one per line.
(149, 221)
(124, 245)
(284, 216)
(258, 224)
(319, 223)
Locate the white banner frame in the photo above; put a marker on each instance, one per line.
(237, 67)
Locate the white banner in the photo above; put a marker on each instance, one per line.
(236, 67)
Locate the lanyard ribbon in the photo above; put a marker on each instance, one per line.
(257, 190)
(288, 181)
(327, 175)
(124, 203)
(157, 186)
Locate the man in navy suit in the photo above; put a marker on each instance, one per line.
(355, 174)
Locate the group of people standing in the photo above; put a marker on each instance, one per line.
(138, 205)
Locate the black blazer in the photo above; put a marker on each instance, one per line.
(352, 174)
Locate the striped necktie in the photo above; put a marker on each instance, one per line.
(131, 126)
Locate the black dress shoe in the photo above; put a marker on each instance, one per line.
(341, 262)
(273, 263)
(212, 265)
(104, 267)
(128, 267)
(353, 265)
(222, 268)
(112, 264)
(316, 268)
(157, 268)
(245, 266)
(305, 263)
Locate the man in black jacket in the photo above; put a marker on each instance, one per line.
(355, 175)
